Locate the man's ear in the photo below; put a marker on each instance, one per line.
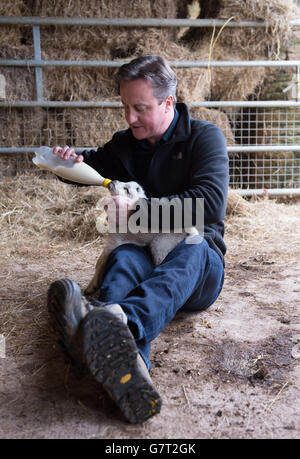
(169, 102)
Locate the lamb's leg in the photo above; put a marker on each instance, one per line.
(95, 283)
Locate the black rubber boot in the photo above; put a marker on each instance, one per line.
(112, 357)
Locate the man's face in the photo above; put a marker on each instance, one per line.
(147, 118)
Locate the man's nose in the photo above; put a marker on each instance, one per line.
(131, 116)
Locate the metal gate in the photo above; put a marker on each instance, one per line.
(265, 153)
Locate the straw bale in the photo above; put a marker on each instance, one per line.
(16, 44)
(21, 127)
(193, 85)
(241, 44)
(57, 128)
(256, 41)
(78, 84)
(14, 164)
(93, 43)
(95, 84)
(276, 12)
(97, 39)
(91, 127)
(105, 43)
(84, 127)
(33, 122)
(119, 43)
(12, 35)
(102, 8)
(11, 128)
(234, 83)
(94, 127)
(19, 81)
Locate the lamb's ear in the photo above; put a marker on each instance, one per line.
(141, 191)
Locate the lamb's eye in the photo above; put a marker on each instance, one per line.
(138, 189)
(127, 190)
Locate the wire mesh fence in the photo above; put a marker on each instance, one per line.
(263, 140)
(266, 126)
(265, 129)
(264, 170)
(255, 127)
(86, 126)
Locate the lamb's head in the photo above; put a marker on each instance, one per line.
(131, 190)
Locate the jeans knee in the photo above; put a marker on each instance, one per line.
(210, 288)
(129, 260)
(127, 248)
(128, 253)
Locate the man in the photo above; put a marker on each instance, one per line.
(170, 155)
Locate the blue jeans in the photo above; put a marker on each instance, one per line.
(190, 278)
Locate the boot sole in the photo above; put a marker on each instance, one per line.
(111, 355)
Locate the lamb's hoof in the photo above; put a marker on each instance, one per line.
(90, 290)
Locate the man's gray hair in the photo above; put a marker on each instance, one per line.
(154, 69)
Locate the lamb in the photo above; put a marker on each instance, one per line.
(160, 244)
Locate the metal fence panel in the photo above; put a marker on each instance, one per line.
(264, 136)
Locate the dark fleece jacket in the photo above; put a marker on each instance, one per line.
(191, 163)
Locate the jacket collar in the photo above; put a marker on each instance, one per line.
(178, 131)
(181, 132)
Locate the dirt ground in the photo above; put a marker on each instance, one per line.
(229, 372)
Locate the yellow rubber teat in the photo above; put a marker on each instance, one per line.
(106, 182)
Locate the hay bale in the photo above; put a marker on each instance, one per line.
(94, 127)
(95, 84)
(19, 81)
(12, 35)
(102, 8)
(241, 44)
(11, 128)
(21, 126)
(98, 40)
(106, 43)
(193, 85)
(57, 128)
(234, 83)
(16, 164)
(255, 41)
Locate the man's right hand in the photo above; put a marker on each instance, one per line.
(67, 152)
